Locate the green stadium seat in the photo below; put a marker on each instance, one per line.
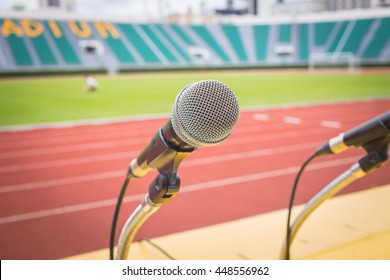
(119, 49)
(138, 42)
(184, 36)
(173, 43)
(203, 33)
(379, 41)
(336, 40)
(18, 48)
(303, 41)
(260, 33)
(63, 45)
(45, 54)
(161, 46)
(284, 33)
(356, 36)
(322, 31)
(233, 35)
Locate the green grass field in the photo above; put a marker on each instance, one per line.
(52, 99)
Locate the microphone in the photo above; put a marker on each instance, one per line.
(376, 130)
(203, 114)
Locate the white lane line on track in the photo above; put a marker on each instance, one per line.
(330, 124)
(292, 120)
(130, 155)
(251, 154)
(296, 120)
(67, 162)
(71, 148)
(83, 122)
(122, 173)
(185, 189)
(25, 141)
(102, 145)
(62, 181)
(65, 142)
(260, 117)
(66, 209)
(57, 140)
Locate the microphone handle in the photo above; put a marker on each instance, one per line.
(160, 154)
(364, 135)
(376, 128)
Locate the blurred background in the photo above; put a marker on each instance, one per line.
(150, 34)
(303, 72)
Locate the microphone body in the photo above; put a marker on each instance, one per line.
(204, 114)
(162, 149)
(364, 135)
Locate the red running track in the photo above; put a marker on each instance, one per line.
(59, 185)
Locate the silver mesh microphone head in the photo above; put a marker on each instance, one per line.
(204, 113)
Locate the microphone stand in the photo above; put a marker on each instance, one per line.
(374, 159)
(134, 222)
(162, 189)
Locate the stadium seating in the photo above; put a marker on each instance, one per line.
(261, 41)
(303, 41)
(166, 53)
(322, 31)
(233, 35)
(204, 33)
(57, 45)
(173, 42)
(380, 38)
(63, 45)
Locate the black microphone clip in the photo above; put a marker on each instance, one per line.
(164, 187)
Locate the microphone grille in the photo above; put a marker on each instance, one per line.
(205, 113)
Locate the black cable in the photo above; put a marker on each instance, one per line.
(293, 191)
(116, 214)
